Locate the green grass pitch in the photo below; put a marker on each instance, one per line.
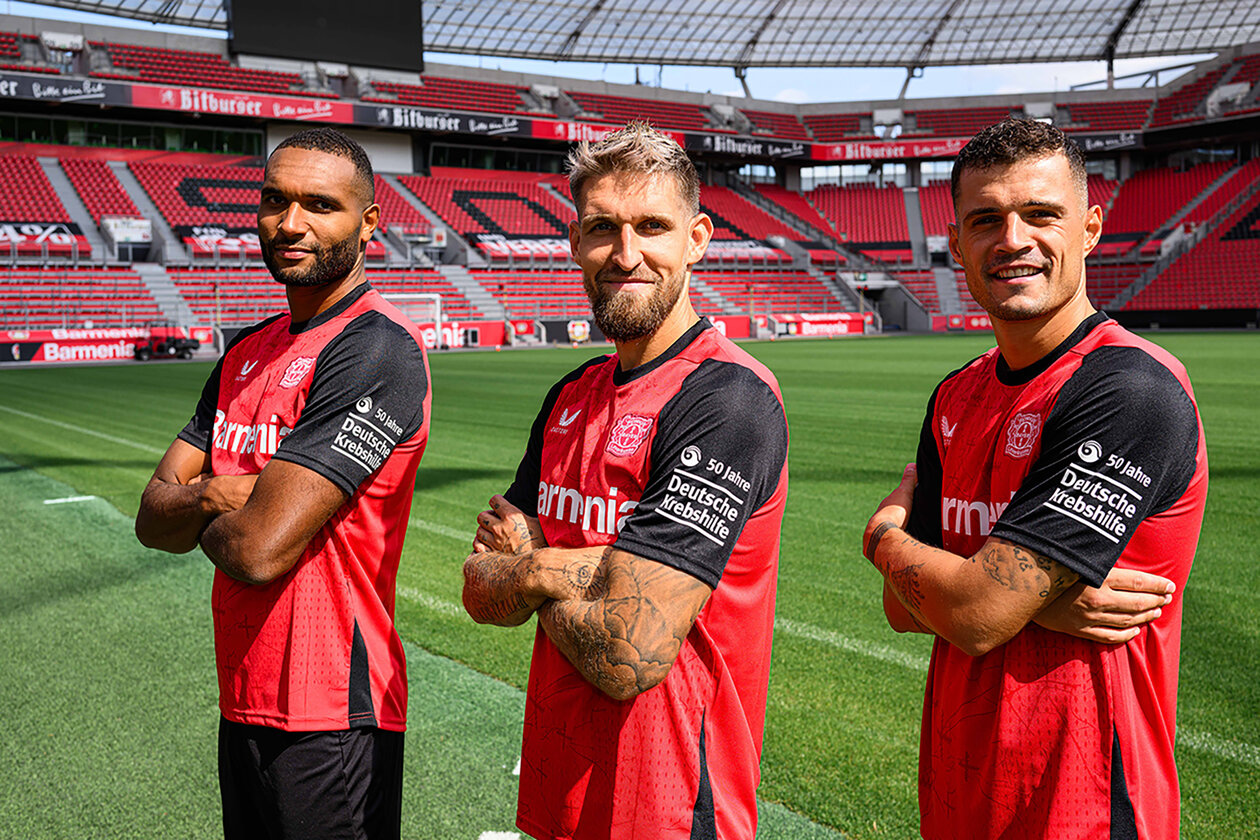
(106, 668)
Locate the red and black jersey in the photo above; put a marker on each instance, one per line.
(345, 394)
(681, 461)
(1093, 457)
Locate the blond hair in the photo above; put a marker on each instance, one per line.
(639, 148)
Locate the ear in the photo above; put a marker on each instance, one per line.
(371, 218)
(953, 243)
(575, 235)
(1093, 228)
(699, 232)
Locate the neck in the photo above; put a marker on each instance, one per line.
(305, 302)
(1023, 343)
(640, 351)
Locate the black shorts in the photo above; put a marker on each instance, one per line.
(288, 785)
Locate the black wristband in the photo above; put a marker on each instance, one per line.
(878, 534)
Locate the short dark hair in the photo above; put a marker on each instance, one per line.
(1013, 141)
(333, 142)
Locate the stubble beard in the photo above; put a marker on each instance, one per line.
(327, 265)
(623, 316)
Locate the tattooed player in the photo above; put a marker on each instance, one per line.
(643, 530)
(1069, 457)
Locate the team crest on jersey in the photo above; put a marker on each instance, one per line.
(296, 371)
(628, 434)
(1022, 434)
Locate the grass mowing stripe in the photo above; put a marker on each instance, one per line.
(143, 447)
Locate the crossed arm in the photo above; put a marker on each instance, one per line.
(982, 601)
(253, 527)
(620, 619)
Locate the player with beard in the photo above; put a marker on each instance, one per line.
(295, 477)
(643, 531)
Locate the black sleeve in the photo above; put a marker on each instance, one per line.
(925, 510)
(201, 426)
(366, 397)
(524, 490)
(717, 457)
(1118, 446)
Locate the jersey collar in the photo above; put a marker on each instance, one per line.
(1027, 374)
(299, 327)
(621, 377)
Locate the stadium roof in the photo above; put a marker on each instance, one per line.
(796, 33)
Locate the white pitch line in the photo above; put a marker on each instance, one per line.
(498, 835)
(436, 604)
(68, 499)
(143, 447)
(839, 640)
(1220, 747)
(1224, 748)
(443, 530)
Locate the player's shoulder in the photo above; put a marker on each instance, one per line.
(245, 333)
(595, 366)
(1132, 366)
(712, 346)
(376, 335)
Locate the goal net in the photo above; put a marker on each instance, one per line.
(422, 308)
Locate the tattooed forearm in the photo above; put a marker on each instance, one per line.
(494, 585)
(905, 581)
(1022, 570)
(625, 633)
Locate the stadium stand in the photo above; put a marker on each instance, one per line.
(622, 109)
(1106, 116)
(462, 94)
(735, 217)
(537, 294)
(397, 213)
(99, 188)
(1101, 191)
(1218, 273)
(1145, 202)
(47, 298)
(776, 124)
(197, 69)
(955, 122)
(11, 54)
(922, 285)
(1181, 106)
(938, 208)
(799, 206)
(235, 297)
(37, 222)
(870, 219)
(785, 291)
(831, 128)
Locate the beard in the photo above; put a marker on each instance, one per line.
(327, 264)
(624, 316)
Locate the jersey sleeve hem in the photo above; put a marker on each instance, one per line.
(202, 442)
(1033, 542)
(345, 483)
(658, 554)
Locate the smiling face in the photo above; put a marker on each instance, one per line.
(312, 218)
(635, 241)
(1022, 235)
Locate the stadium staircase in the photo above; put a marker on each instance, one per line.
(476, 294)
(709, 298)
(455, 243)
(947, 292)
(811, 230)
(166, 246)
(914, 224)
(165, 293)
(1189, 207)
(1205, 231)
(74, 205)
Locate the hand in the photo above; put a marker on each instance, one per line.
(225, 493)
(893, 511)
(506, 529)
(1112, 614)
